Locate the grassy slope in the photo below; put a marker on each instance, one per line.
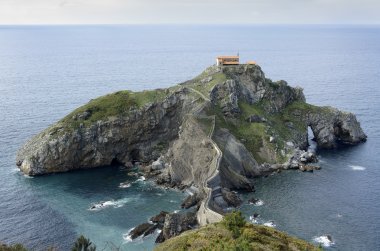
(111, 105)
(121, 102)
(218, 237)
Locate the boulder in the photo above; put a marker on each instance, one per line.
(191, 201)
(159, 218)
(150, 230)
(252, 201)
(231, 198)
(141, 230)
(158, 164)
(308, 157)
(308, 168)
(177, 223)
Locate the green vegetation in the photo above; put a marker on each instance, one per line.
(111, 105)
(234, 222)
(16, 247)
(234, 233)
(122, 102)
(83, 244)
(144, 97)
(253, 134)
(205, 88)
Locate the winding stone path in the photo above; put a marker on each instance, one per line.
(205, 214)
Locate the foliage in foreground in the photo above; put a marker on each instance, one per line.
(81, 244)
(16, 247)
(234, 233)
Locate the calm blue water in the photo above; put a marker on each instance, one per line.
(45, 72)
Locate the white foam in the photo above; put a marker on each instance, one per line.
(111, 203)
(269, 224)
(259, 203)
(124, 185)
(324, 240)
(140, 179)
(127, 237)
(357, 168)
(15, 170)
(176, 211)
(28, 177)
(253, 220)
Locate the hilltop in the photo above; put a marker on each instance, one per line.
(233, 233)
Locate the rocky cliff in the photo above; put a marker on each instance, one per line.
(213, 133)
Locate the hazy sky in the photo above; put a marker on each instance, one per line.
(189, 11)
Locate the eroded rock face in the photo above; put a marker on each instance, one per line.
(252, 86)
(159, 218)
(177, 223)
(231, 198)
(238, 166)
(191, 156)
(332, 127)
(225, 96)
(192, 200)
(142, 229)
(135, 137)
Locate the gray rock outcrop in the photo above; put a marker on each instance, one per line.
(135, 137)
(332, 127)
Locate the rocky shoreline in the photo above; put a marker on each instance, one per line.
(211, 135)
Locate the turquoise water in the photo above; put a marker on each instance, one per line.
(47, 71)
(73, 195)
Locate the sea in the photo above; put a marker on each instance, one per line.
(47, 71)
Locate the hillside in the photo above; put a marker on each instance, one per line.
(233, 233)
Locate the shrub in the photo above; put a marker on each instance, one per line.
(234, 221)
(83, 244)
(16, 247)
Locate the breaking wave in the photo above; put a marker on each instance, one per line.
(259, 203)
(124, 185)
(106, 204)
(127, 237)
(269, 224)
(357, 168)
(324, 240)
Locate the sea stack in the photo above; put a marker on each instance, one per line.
(213, 133)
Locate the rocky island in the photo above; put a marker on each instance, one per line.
(211, 135)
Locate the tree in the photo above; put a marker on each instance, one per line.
(83, 244)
